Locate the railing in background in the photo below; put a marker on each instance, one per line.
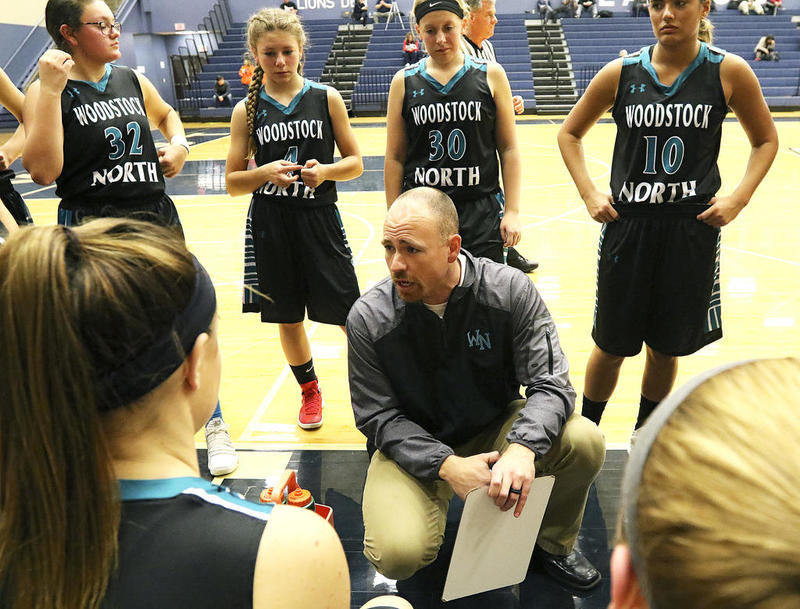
(587, 74)
(23, 65)
(551, 58)
(371, 93)
(187, 65)
(338, 55)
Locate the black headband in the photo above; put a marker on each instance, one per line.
(149, 368)
(636, 464)
(423, 8)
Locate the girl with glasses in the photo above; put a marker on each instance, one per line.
(88, 129)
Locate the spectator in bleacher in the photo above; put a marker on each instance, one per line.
(411, 50)
(222, 92)
(765, 49)
(246, 73)
(639, 7)
(587, 5)
(658, 264)
(771, 7)
(544, 9)
(382, 9)
(289, 5)
(360, 11)
(755, 6)
(479, 25)
(567, 8)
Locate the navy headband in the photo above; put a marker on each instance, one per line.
(149, 368)
(423, 8)
(638, 459)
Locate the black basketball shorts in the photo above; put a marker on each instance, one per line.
(160, 209)
(299, 258)
(479, 226)
(657, 282)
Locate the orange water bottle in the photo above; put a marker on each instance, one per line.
(266, 496)
(301, 498)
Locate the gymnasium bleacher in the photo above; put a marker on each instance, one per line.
(227, 60)
(591, 43)
(594, 42)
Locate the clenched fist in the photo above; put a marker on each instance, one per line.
(54, 69)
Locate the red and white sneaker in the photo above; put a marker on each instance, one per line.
(310, 416)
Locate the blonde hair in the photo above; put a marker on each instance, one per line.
(719, 498)
(268, 20)
(705, 32)
(74, 305)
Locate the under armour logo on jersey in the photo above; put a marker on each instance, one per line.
(261, 114)
(641, 86)
(73, 92)
(419, 92)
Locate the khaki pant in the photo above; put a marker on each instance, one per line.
(404, 518)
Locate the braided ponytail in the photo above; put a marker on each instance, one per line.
(250, 106)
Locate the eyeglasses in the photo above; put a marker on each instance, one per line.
(105, 27)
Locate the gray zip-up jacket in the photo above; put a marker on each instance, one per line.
(420, 384)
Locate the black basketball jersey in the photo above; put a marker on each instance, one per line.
(109, 154)
(299, 132)
(184, 542)
(450, 131)
(668, 137)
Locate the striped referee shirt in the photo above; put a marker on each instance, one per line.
(485, 51)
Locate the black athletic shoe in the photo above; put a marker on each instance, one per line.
(573, 571)
(518, 261)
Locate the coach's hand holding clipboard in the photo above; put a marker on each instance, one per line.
(508, 477)
(493, 549)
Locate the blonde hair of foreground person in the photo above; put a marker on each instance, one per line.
(718, 502)
(72, 302)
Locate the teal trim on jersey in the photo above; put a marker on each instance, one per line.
(636, 57)
(290, 108)
(168, 488)
(102, 84)
(444, 89)
(162, 488)
(715, 54)
(669, 91)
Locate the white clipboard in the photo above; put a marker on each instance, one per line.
(493, 549)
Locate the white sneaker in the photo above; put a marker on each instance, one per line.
(222, 457)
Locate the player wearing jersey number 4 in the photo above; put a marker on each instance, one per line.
(658, 261)
(296, 251)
